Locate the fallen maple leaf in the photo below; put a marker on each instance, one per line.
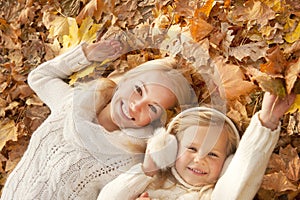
(273, 84)
(291, 75)
(278, 182)
(199, 27)
(230, 80)
(94, 8)
(295, 106)
(294, 35)
(276, 62)
(8, 131)
(255, 51)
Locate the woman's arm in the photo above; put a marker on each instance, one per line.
(47, 80)
(244, 174)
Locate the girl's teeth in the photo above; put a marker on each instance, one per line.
(197, 171)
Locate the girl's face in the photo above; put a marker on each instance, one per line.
(140, 100)
(193, 169)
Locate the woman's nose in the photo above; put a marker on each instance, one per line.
(136, 105)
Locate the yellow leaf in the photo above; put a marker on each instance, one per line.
(71, 39)
(293, 36)
(84, 28)
(82, 73)
(295, 106)
(87, 32)
(58, 27)
(91, 34)
(8, 131)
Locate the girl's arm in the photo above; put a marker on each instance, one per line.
(47, 80)
(127, 186)
(244, 174)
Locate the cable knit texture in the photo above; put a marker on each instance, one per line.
(70, 156)
(240, 181)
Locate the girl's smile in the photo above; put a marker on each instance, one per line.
(197, 169)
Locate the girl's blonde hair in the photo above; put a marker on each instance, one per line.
(202, 116)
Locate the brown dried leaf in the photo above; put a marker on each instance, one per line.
(16, 150)
(276, 164)
(231, 80)
(199, 28)
(291, 75)
(276, 62)
(8, 131)
(290, 156)
(272, 84)
(253, 12)
(278, 182)
(94, 9)
(255, 51)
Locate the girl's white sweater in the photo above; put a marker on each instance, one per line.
(70, 156)
(240, 181)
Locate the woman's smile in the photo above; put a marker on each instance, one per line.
(125, 112)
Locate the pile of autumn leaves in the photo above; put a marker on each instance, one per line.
(236, 49)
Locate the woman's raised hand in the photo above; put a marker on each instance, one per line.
(102, 50)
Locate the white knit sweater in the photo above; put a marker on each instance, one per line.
(240, 181)
(70, 156)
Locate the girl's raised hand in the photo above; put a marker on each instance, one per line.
(102, 50)
(273, 108)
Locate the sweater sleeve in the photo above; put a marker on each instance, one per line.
(47, 79)
(244, 174)
(127, 186)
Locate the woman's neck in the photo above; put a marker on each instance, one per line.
(105, 120)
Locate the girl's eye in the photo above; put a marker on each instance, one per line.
(138, 89)
(153, 108)
(212, 154)
(192, 149)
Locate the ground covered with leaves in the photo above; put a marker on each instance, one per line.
(232, 51)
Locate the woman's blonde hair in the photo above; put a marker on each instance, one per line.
(183, 91)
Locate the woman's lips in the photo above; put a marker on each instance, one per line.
(125, 112)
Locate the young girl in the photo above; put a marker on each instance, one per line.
(204, 168)
(96, 130)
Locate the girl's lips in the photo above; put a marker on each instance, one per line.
(125, 112)
(198, 172)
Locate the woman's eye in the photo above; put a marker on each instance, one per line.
(153, 108)
(138, 89)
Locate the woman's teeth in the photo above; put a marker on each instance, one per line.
(126, 113)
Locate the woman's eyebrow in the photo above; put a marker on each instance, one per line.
(144, 86)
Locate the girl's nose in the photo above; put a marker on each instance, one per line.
(198, 158)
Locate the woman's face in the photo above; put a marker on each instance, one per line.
(196, 170)
(140, 100)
